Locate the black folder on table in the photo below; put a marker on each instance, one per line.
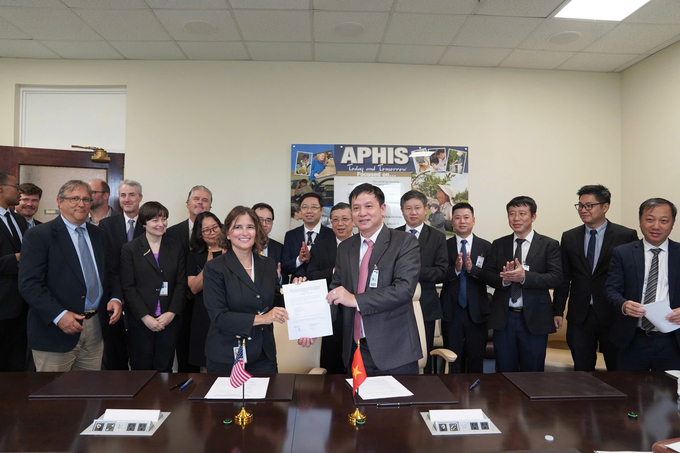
(569, 385)
(427, 390)
(280, 388)
(95, 384)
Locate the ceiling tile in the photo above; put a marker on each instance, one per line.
(106, 4)
(34, 3)
(425, 29)
(9, 31)
(535, 59)
(590, 30)
(634, 38)
(280, 51)
(374, 26)
(356, 53)
(437, 6)
(276, 26)
(138, 50)
(393, 53)
(84, 50)
(270, 4)
(657, 12)
(188, 4)
(174, 21)
(518, 8)
(214, 50)
(353, 5)
(125, 25)
(600, 62)
(473, 56)
(44, 23)
(24, 48)
(493, 31)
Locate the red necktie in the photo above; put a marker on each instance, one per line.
(361, 286)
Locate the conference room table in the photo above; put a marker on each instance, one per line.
(316, 419)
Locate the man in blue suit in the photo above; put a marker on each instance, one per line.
(640, 273)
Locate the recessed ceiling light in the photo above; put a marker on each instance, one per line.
(600, 9)
(199, 27)
(349, 29)
(565, 37)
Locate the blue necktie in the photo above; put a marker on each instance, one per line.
(413, 231)
(462, 294)
(131, 230)
(591, 250)
(89, 271)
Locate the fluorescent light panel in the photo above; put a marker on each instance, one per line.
(600, 9)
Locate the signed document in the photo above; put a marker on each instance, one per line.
(309, 312)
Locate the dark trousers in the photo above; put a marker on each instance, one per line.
(153, 350)
(331, 349)
(263, 365)
(583, 340)
(373, 370)
(467, 339)
(115, 345)
(184, 339)
(13, 342)
(429, 344)
(658, 352)
(516, 349)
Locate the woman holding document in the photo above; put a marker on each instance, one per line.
(238, 292)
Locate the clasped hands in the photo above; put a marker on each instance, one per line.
(513, 272)
(459, 263)
(157, 324)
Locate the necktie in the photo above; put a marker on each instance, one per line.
(131, 230)
(462, 294)
(650, 293)
(361, 286)
(591, 250)
(516, 288)
(309, 237)
(13, 230)
(413, 231)
(89, 271)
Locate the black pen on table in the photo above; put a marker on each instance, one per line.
(179, 384)
(475, 384)
(186, 384)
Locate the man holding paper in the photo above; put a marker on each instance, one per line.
(641, 273)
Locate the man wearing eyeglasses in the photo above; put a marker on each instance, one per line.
(298, 243)
(62, 277)
(13, 310)
(274, 248)
(100, 208)
(586, 254)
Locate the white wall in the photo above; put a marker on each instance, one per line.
(650, 118)
(229, 125)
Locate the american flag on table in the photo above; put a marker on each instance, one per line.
(239, 375)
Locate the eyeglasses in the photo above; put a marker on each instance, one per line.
(74, 201)
(267, 221)
(304, 207)
(341, 220)
(587, 207)
(16, 186)
(213, 229)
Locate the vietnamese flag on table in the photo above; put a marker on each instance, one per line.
(358, 371)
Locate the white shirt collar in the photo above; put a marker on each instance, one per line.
(529, 238)
(468, 239)
(316, 229)
(419, 229)
(649, 246)
(373, 238)
(131, 218)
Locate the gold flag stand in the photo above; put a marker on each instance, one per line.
(357, 418)
(244, 417)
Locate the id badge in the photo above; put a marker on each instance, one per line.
(373, 283)
(164, 289)
(480, 261)
(245, 356)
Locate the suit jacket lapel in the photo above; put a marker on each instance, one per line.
(639, 263)
(379, 248)
(536, 244)
(237, 268)
(145, 248)
(98, 249)
(258, 265)
(673, 269)
(581, 247)
(354, 249)
(67, 249)
(508, 245)
(7, 233)
(424, 236)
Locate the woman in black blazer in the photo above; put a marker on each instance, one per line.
(238, 292)
(153, 276)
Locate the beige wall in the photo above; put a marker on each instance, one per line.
(229, 125)
(650, 119)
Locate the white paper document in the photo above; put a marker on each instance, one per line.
(309, 312)
(378, 387)
(656, 314)
(256, 389)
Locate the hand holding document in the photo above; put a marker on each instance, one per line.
(657, 312)
(310, 314)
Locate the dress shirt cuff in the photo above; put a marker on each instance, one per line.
(297, 262)
(505, 285)
(358, 309)
(61, 315)
(117, 300)
(458, 273)
(623, 311)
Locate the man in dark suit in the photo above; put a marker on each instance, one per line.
(199, 200)
(299, 241)
(433, 261)
(641, 273)
(586, 253)
(120, 230)
(13, 309)
(376, 273)
(321, 266)
(63, 279)
(522, 267)
(29, 201)
(465, 303)
(273, 249)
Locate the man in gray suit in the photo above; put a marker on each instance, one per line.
(376, 273)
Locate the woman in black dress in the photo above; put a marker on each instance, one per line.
(205, 246)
